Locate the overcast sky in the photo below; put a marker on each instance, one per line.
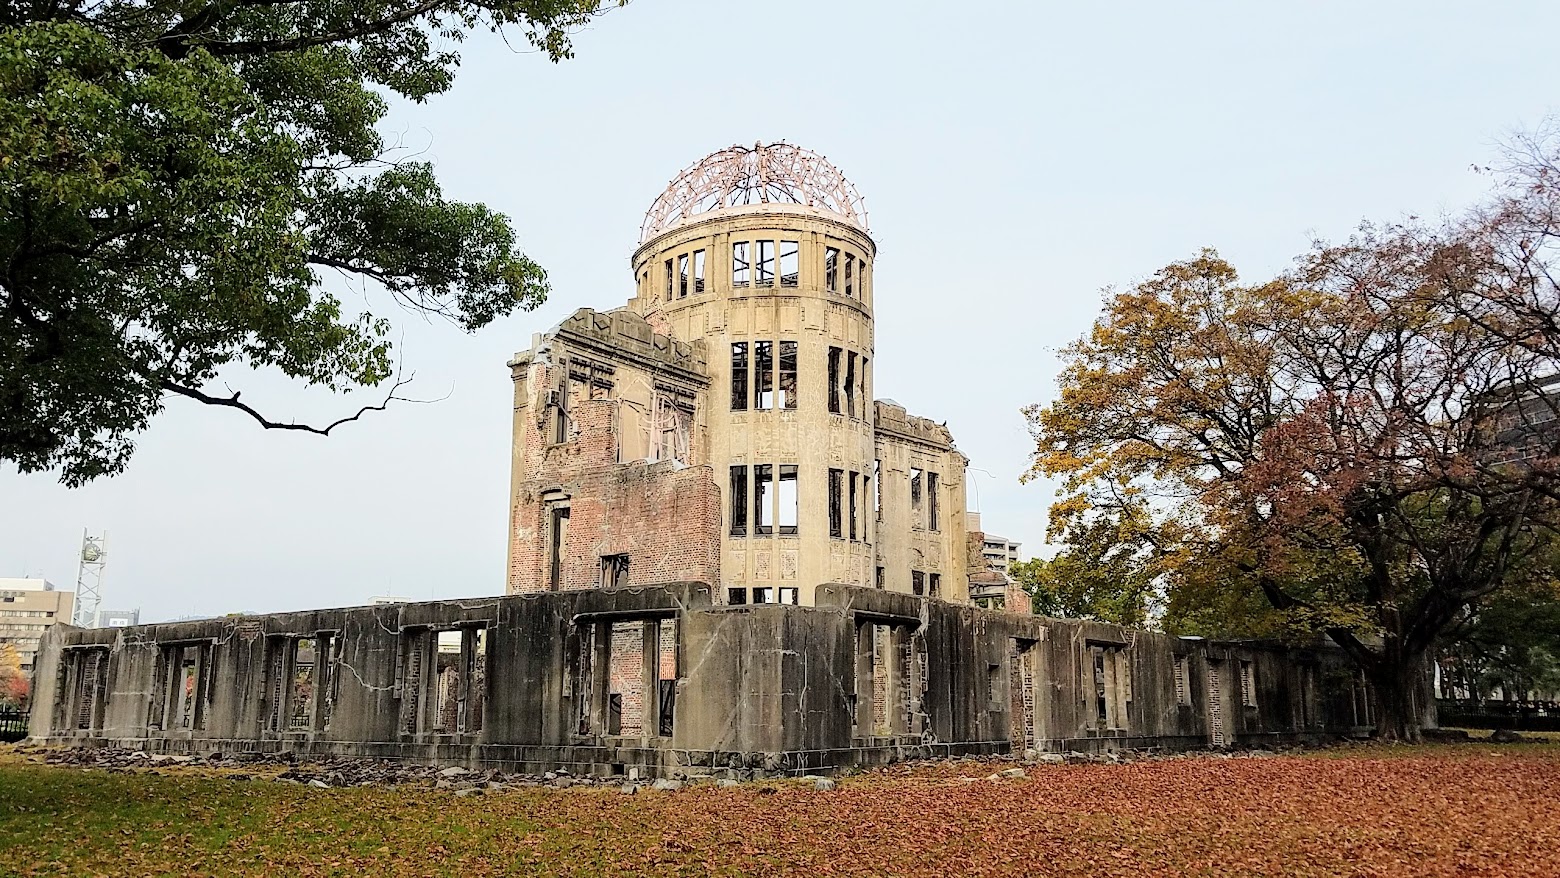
(1016, 158)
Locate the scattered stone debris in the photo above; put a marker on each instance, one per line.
(1505, 736)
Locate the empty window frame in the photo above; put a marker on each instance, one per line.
(764, 268)
(831, 269)
(877, 483)
(788, 374)
(668, 280)
(669, 436)
(561, 407)
(614, 571)
(850, 383)
(301, 704)
(764, 373)
(934, 585)
(787, 496)
(459, 683)
(736, 596)
(698, 271)
(834, 380)
(790, 263)
(866, 491)
(1182, 694)
(741, 263)
(789, 595)
(854, 507)
(764, 594)
(931, 502)
(861, 388)
(739, 504)
(682, 276)
(918, 583)
(557, 545)
(879, 581)
(739, 376)
(763, 483)
(915, 498)
(850, 270)
(1108, 676)
(836, 513)
(1248, 685)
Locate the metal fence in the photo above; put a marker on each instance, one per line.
(1519, 716)
(13, 724)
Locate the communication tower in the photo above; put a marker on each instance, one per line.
(89, 579)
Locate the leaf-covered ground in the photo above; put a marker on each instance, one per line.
(1437, 810)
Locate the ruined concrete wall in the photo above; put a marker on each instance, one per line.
(661, 678)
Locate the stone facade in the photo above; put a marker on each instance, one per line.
(812, 480)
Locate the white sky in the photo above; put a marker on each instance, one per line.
(1016, 158)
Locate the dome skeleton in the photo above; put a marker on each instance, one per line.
(776, 173)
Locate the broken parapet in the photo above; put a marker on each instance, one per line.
(658, 681)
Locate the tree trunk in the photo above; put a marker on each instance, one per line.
(1400, 697)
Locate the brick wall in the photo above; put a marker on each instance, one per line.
(665, 516)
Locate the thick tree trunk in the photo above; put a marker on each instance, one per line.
(1400, 697)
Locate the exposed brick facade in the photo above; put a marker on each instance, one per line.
(663, 514)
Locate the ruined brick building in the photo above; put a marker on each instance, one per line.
(724, 556)
(721, 427)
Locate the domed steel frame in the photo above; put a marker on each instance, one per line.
(775, 173)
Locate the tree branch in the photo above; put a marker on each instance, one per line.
(234, 402)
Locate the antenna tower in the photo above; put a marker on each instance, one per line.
(89, 580)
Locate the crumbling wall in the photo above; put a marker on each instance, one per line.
(660, 678)
(610, 484)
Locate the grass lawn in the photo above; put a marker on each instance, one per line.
(1465, 809)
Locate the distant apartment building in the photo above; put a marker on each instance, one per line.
(27, 608)
(998, 553)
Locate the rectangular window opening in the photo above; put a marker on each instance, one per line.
(918, 583)
(558, 542)
(877, 483)
(682, 276)
(850, 383)
(668, 280)
(614, 571)
(834, 380)
(739, 505)
(740, 264)
(698, 271)
(763, 484)
(788, 374)
(788, 499)
(1248, 687)
(934, 585)
(831, 269)
(790, 595)
(736, 596)
(790, 263)
(764, 372)
(915, 498)
(931, 502)
(301, 715)
(853, 508)
(764, 276)
(850, 270)
(739, 376)
(836, 514)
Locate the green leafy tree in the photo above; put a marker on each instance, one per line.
(178, 178)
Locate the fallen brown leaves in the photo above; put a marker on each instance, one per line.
(1440, 811)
